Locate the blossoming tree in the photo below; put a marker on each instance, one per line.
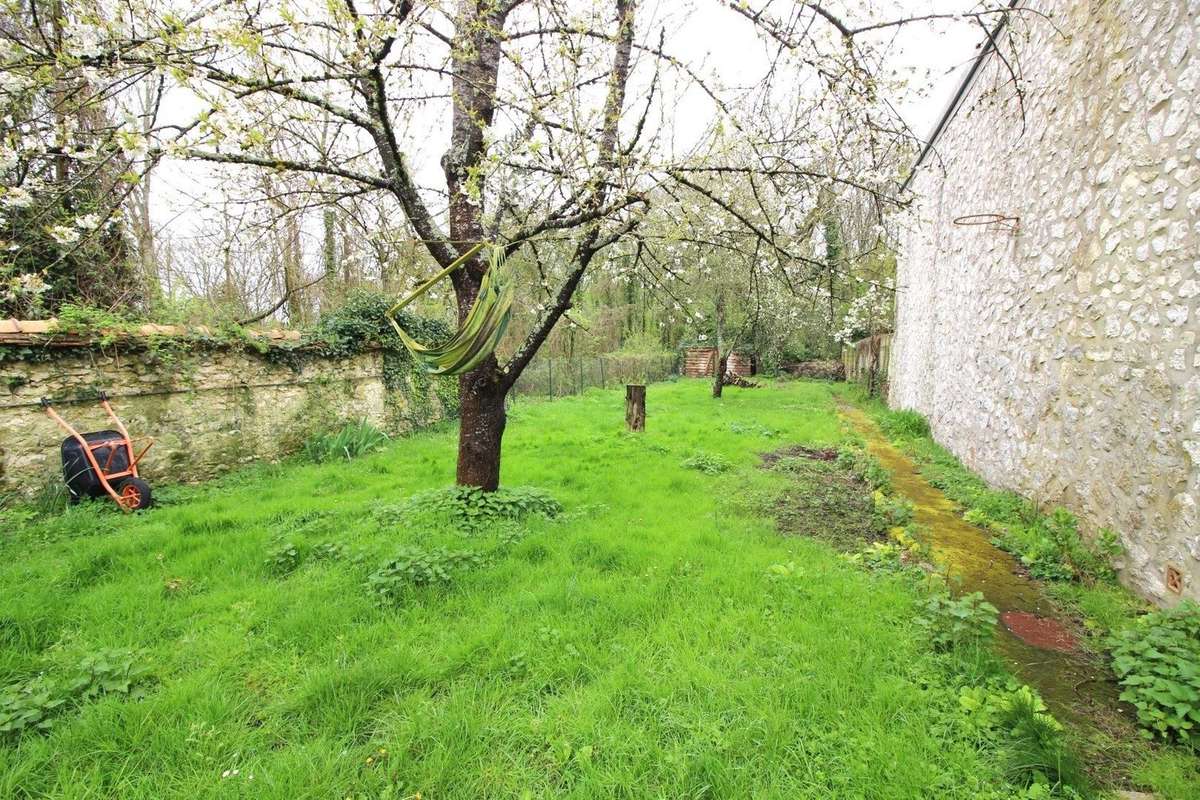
(558, 121)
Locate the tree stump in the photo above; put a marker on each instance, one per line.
(635, 407)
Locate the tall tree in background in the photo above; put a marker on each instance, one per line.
(59, 240)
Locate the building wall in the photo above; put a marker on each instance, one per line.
(209, 410)
(1060, 359)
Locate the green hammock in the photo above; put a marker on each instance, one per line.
(480, 332)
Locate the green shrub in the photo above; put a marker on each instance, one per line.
(360, 321)
(351, 441)
(904, 424)
(413, 568)
(968, 621)
(708, 463)
(1157, 662)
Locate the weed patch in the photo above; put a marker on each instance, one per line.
(1157, 661)
(414, 568)
(350, 441)
(35, 704)
(824, 501)
(708, 463)
(470, 509)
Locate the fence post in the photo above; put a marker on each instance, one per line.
(603, 383)
(550, 374)
(580, 376)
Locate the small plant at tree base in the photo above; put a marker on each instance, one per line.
(708, 463)
(413, 568)
(968, 621)
(349, 442)
(470, 508)
(282, 558)
(1157, 662)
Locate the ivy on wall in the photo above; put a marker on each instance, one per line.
(357, 326)
(360, 324)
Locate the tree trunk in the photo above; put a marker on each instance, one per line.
(719, 381)
(635, 407)
(722, 354)
(481, 427)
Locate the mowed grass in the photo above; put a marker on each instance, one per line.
(639, 646)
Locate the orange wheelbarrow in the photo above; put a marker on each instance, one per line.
(102, 462)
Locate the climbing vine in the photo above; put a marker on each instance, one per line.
(356, 327)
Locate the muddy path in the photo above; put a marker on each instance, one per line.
(1043, 649)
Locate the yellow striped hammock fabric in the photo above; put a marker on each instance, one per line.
(479, 333)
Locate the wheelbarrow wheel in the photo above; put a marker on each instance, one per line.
(134, 493)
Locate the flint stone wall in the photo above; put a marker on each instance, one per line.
(1060, 359)
(208, 411)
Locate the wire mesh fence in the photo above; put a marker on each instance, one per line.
(559, 377)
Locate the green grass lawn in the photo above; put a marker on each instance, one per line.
(639, 645)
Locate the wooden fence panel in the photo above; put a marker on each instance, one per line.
(867, 359)
(701, 362)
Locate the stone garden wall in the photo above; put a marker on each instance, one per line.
(1056, 353)
(210, 408)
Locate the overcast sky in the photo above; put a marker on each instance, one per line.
(706, 35)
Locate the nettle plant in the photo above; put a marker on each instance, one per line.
(417, 568)
(34, 704)
(1157, 662)
(963, 622)
(471, 509)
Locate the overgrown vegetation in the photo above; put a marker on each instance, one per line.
(630, 623)
(1008, 720)
(349, 442)
(1049, 545)
(1154, 655)
(34, 704)
(1157, 660)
